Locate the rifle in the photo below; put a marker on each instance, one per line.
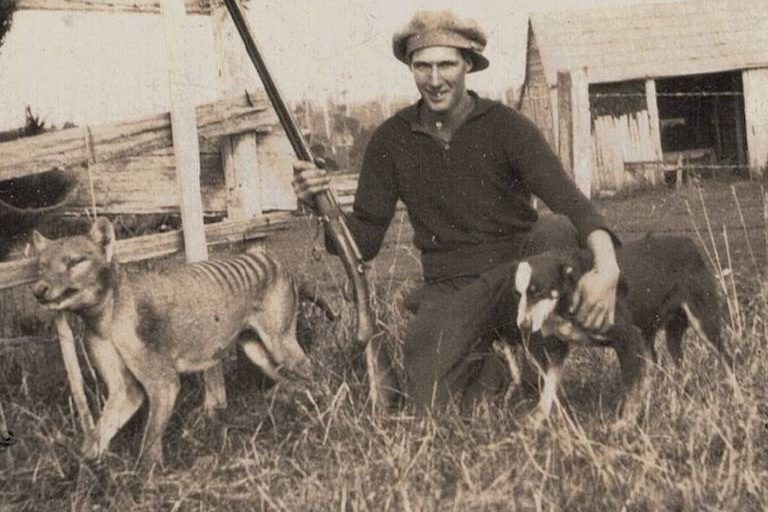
(379, 366)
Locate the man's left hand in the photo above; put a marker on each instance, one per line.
(594, 302)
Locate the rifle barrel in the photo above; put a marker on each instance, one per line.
(298, 142)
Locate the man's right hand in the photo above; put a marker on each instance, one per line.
(308, 180)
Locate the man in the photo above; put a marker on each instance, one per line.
(465, 168)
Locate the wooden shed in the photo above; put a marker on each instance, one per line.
(623, 93)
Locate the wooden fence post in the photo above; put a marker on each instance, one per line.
(655, 125)
(239, 153)
(582, 131)
(755, 84)
(565, 120)
(187, 156)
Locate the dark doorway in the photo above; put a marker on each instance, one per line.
(702, 122)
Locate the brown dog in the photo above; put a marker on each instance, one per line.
(144, 330)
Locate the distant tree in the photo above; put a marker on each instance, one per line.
(7, 8)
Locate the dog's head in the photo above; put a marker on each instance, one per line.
(74, 273)
(545, 284)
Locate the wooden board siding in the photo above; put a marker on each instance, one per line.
(756, 116)
(75, 146)
(147, 183)
(535, 100)
(626, 143)
(617, 143)
(134, 6)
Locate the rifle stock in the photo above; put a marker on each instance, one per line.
(327, 208)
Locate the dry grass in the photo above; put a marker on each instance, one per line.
(703, 444)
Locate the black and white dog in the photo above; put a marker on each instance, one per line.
(664, 284)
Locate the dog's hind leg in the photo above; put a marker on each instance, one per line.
(124, 396)
(675, 328)
(649, 334)
(633, 355)
(707, 326)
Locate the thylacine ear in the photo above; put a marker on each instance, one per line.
(39, 242)
(103, 234)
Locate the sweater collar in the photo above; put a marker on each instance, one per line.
(411, 113)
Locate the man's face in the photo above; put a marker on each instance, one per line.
(440, 73)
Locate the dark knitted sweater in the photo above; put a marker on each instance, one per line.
(469, 201)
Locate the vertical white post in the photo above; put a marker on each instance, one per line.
(187, 156)
(564, 127)
(582, 131)
(755, 83)
(655, 127)
(240, 159)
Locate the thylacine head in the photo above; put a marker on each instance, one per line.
(76, 273)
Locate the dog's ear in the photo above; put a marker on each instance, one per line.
(575, 264)
(622, 289)
(568, 272)
(39, 242)
(103, 233)
(584, 260)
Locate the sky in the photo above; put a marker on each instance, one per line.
(92, 68)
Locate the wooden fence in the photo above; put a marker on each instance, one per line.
(227, 158)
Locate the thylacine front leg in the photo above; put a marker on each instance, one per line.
(124, 395)
(156, 372)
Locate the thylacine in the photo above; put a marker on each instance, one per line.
(144, 330)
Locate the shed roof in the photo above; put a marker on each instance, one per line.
(654, 40)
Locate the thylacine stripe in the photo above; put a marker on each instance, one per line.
(253, 272)
(206, 271)
(230, 276)
(247, 273)
(242, 273)
(258, 267)
(219, 275)
(272, 268)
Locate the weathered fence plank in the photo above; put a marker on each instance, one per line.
(19, 272)
(76, 146)
(135, 6)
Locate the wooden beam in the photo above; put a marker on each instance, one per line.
(21, 272)
(239, 153)
(654, 123)
(134, 6)
(74, 375)
(582, 131)
(187, 151)
(755, 82)
(554, 101)
(564, 125)
(33, 155)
